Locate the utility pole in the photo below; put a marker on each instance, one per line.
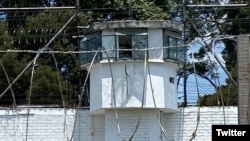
(130, 10)
(184, 70)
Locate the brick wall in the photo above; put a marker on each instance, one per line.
(181, 126)
(147, 130)
(43, 124)
(55, 124)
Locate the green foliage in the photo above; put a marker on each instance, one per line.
(210, 23)
(47, 88)
(33, 29)
(238, 20)
(237, 23)
(225, 96)
(147, 10)
(5, 39)
(13, 66)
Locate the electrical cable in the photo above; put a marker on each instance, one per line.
(215, 56)
(220, 91)
(20, 74)
(198, 96)
(80, 52)
(34, 63)
(61, 93)
(38, 53)
(8, 79)
(143, 97)
(29, 98)
(31, 84)
(20, 124)
(215, 74)
(82, 92)
(126, 74)
(230, 83)
(36, 8)
(163, 130)
(13, 96)
(113, 91)
(222, 100)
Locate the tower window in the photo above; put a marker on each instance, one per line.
(171, 79)
(125, 46)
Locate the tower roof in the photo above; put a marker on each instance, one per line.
(97, 26)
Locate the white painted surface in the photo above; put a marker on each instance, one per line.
(181, 126)
(129, 82)
(52, 124)
(41, 124)
(127, 122)
(155, 43)
(108, 42)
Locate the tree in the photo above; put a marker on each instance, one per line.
(205, 26)
(31, 29)
(146, 10)
(236, 22)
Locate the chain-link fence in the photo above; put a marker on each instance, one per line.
(215, 86)
(23, 32)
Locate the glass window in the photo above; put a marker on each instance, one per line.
(181, 50)
(90, 43)
(93, 45)
(130, 41)
(125, 46)
(172, 47)
(129, 46)
(83, 56)
(139, 42)
(173, 44)
(108, 42)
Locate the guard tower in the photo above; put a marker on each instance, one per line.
(133, 78)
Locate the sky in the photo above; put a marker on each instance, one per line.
(203, 86)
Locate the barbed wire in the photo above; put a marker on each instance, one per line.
(97, 11)
(92, 51)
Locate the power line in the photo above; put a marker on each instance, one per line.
(217, 5)
(37, 8)
(78, 52)
(46, 47)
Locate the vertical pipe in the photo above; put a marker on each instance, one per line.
(184, 70)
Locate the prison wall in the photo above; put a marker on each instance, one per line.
(59, 124)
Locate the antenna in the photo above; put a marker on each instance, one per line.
(130, 9)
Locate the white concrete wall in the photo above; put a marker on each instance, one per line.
(109, 43)
(127, 122)
(182, 125)
(53, 124)
(127, 86)
(41, 124)
(155, 43)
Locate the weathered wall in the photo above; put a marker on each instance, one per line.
(56, 124)
(181, 126)
(128, 84)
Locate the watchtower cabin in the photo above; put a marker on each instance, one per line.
(134, 74)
